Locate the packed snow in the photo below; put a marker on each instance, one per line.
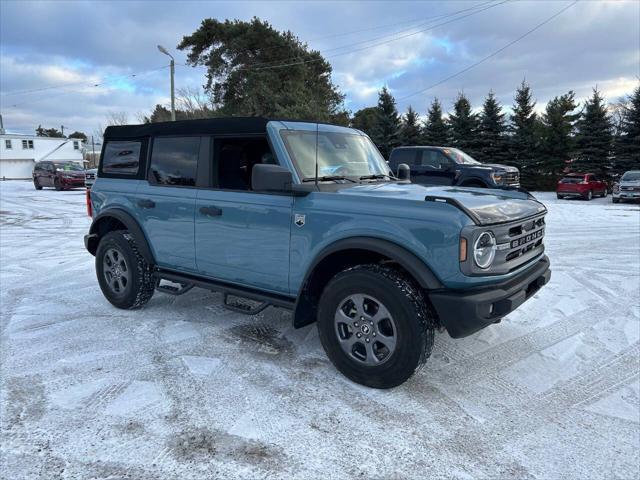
(187, 389)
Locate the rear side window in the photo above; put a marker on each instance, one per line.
(122, 157)
(174, 161)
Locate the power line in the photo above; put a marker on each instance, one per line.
(84, 83)
(493, 54)
(255, 67)
(275, 63)
(420, 23)
(93, 85)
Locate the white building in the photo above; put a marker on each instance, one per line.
(19, 153)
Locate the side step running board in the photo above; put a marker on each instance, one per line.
(174, 290)
(264, 299)
(244, 307)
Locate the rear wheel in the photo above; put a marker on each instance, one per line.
(36, 183)
(125, 278)
(375, 325)
(589, 195)
(604, 193)
(560, 197)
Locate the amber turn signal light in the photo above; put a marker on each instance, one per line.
(463, 249)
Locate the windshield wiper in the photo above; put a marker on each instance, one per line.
(378, 175)
(327, 178)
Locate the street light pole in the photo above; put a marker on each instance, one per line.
(172, 67)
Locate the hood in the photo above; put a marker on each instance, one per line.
(483, 205)
(497, 166)
(629, 183)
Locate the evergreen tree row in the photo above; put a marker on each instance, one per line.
(566, 136)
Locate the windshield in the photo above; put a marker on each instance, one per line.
(459, 156)
(631, 177)
(68, 167)
(339, 154)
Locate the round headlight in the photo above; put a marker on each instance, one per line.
(484, 249)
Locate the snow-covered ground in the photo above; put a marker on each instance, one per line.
(187, 389)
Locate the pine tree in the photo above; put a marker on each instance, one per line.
(435, 130)
(410, 133)
(492, 138)
(523, 140)
(366, 120)
(556, 130)
(594, 139)
(388, 129)
(628, 142)
(463, 126)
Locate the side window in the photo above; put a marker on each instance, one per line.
(235, 160)
(121, 157)
(174, 161)
(434, 159)
(7, 144)
(404, 155)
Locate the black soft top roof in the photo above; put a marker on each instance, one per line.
(206, 126)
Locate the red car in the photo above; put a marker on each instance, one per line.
(581, 185)
(58, 174)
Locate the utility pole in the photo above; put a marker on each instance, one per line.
(62, 130)
(93, 154)
(172, 67)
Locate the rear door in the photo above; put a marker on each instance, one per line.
(165, 201)
(242, 236)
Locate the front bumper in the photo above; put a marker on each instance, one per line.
(72, 182)
(626, 195)
(463, 312)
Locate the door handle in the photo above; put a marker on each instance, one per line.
(145, 203)
(211, 211)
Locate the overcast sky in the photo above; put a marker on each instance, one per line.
(53, 54)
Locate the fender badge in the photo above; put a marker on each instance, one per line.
(299, 219)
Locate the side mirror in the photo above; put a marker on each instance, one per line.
(404, 172)
(270, 178)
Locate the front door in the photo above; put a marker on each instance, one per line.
(433, 168)
(242, 236)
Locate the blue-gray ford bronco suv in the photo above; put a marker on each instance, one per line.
(310, 218)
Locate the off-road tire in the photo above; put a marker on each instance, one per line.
(415, 323)
(56, 185)
(37, 184)
(142, 285)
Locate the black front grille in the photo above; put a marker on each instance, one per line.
(630, 189)
(512, 178)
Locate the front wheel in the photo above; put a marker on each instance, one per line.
(560, 197)
(56, 185)
(125, 278)
(604, 194)
(375, 325)
(615, 200)
(36, 184)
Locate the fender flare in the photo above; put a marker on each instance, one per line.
(305, 309)
(129, 222)
(406, 259)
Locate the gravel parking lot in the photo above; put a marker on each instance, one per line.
(187, 389)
